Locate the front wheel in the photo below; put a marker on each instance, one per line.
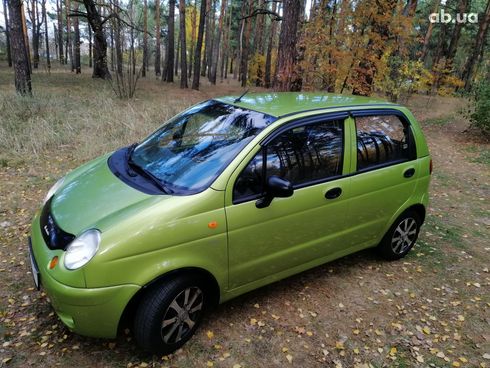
(169, 314)
(401, 237)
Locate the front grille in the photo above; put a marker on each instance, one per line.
(53, 235)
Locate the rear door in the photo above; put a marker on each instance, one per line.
(384, 173)
(292, 231)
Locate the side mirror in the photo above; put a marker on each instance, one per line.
(276, 187)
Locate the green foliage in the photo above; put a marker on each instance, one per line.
(480, 117)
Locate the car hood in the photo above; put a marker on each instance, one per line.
(90, 195)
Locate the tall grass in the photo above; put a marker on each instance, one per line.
(82, 115)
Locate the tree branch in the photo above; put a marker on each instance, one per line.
(275, 16)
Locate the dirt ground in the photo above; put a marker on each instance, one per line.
(430, 309)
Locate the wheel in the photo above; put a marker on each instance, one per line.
(401, 237)
(169, 314)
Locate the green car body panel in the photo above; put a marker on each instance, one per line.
(144, 237)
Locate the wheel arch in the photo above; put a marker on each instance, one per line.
(419, 209)
(208, 278)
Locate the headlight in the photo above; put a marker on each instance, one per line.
(82, 249)
(53, 190)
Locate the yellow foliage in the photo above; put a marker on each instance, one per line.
(256, 70)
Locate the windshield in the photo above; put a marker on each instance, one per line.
(188, 152)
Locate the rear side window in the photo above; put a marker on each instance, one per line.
(381, 140)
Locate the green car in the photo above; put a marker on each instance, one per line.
(228, 196)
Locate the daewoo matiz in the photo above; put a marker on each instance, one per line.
(230, 195)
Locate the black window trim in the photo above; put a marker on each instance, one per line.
(310, 120)
(404, 120)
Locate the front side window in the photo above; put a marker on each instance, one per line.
(190, 151)
(381, 140)
(302, 155)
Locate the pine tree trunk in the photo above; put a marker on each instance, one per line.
(246, 29)
(7, 32)
(477, 49)
(215, 53)
(209, 56)
(177, 56)
(55, 40)
(157, 36)
(19, 50)
(100, 69)
(453, 44)
(118, 40)
(26, 37)
(197, 51)
(169, 68)
(270, 45)
(59, 35)
(193, 37)
(287, 77)
(113, 57)
(428, 34)
(183, 49)
(89, 46)
(76, 28)
(69, 35)
(46, 36)
(259, 31)
(226, 46)
(145, 38)
(34, 34)
(207, 43)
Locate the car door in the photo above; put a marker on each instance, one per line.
(290, 232)
(385, 174)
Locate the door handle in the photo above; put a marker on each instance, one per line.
(409, 172)
(333, 193)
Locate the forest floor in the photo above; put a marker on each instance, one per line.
(430, 309)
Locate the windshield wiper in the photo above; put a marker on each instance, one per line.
(135, 167)
(129, 153)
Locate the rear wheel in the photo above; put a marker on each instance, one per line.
(401, 237)
(169, 314)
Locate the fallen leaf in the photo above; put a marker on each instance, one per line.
(289, 357)
(210, 334)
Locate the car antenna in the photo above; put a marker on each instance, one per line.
(243, 94)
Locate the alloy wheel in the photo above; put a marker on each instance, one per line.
(182, 315)
(404, 235)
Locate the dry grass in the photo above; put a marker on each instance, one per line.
(78, 113)
(352, 312)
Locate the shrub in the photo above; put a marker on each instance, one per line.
(480, 117)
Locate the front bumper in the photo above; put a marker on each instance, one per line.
(90, 312)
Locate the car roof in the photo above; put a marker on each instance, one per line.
(279, 104)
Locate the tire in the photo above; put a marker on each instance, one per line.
(169, 314)
(401, 236)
